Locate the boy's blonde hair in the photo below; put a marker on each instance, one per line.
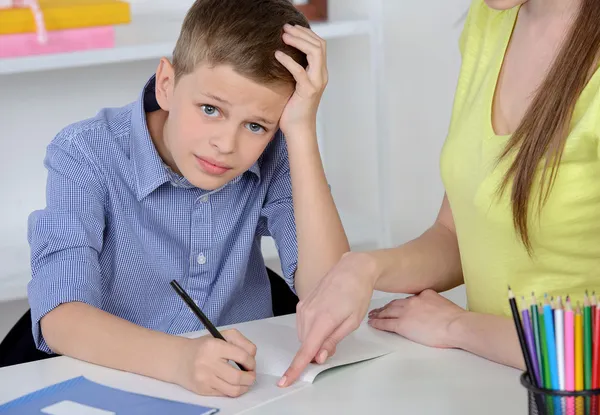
(242, 33)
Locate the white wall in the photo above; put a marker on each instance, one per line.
(421, 68)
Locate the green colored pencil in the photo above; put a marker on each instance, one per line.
(587, 343)
(536, 335)
(544, 347)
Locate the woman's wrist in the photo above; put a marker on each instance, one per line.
(457, 331)
(373, 267)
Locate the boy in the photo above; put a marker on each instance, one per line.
(182, 184)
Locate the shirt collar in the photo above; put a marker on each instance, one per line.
(150, 170)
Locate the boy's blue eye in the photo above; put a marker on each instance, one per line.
(210, 110)
(255, 128)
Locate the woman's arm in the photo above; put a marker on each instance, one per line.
(489, 336)
(338, 304)
(430, 319)
(431, 261)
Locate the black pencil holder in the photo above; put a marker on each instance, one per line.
(552, 402)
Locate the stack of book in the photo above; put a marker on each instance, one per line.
(35, 27)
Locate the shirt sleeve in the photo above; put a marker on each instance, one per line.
(66, 236)
(278, 213)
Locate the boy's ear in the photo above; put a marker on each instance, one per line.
(165, 83)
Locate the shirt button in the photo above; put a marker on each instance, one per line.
(201, 259)
(204, 199)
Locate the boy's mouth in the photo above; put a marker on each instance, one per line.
(212, 167)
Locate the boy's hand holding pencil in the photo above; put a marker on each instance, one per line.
(204, 365)
(205, 369)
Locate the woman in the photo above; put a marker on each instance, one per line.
(521, 171)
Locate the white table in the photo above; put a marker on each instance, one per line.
(413, 380)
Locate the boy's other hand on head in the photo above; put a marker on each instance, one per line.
(300, 112)
(205, 366)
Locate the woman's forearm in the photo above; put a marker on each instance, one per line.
(431, 261)
(489, 336)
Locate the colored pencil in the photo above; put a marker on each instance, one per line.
(569, 347)
(579, 358)
(539, 401)
(559, 331)
(593, 305)
(529, 338)
(596, 352)
(569, 356)
(587, 343)
(544, 344)
(551, 343)
(536, 336)
(520, 334)
(578, 349)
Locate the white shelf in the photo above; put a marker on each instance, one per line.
(148, 36)
(16, 274)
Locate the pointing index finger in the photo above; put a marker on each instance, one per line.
(315, 338)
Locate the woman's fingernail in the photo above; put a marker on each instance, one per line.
(323, 356)
(282, 381)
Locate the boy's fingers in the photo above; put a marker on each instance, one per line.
(227, 389)
(237, 354)
(302, 44)
(297, 31)
(233, 375)
(311, 34)
(237, 338)
(291, 65)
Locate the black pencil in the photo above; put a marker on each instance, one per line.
(521, 334)
(196, 310)
(526, 355)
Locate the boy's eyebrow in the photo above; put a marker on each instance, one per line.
(216, 98)
(263, 120)
(224, 101)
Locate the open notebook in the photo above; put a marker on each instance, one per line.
(277, 344)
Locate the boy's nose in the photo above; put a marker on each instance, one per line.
(225, 141)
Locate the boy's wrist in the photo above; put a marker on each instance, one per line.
(304, 131)
(173, 358)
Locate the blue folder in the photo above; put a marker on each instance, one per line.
(92, 397)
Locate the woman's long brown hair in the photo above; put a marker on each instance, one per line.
(542, 134)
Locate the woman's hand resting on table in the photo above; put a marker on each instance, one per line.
(425, 318)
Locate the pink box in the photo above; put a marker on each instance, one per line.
(59, 41)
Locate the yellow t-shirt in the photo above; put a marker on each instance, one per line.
(566, 237)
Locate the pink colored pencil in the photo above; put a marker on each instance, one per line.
(569, 355)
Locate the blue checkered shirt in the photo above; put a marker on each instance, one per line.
(119, 225)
